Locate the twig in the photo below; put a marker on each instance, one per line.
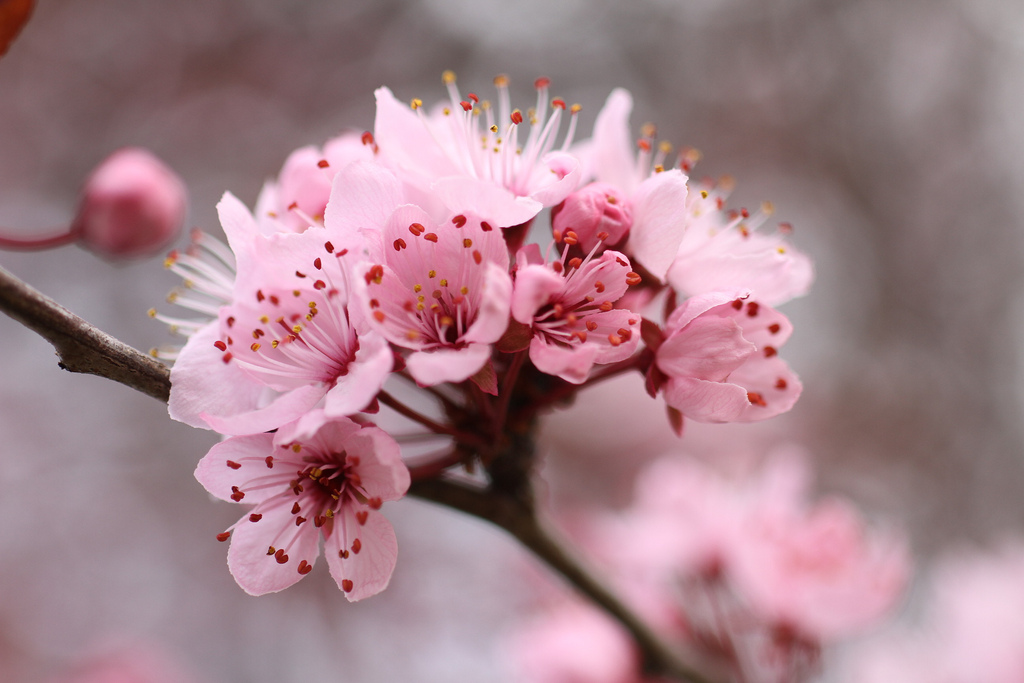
(80, 346)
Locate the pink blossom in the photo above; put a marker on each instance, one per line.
(329, 481)
(470, 156)
(298, 198)
(723, 250)
(721, 360)
(132, 205)
(284, 343)
(569, 306)
(818, 572)
(635, 198)
(125, 661)
(442, 290)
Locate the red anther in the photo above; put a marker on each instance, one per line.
(466, 106)
(752, 308)
(329, 247)
(620, 261)
(756, 399)
(436, 294)
(322, 163)
(274, 300)
(467, 243)
(255, 517)
(357, 545)
(233, 465)
(645, 145)
(632, 321)
(517, 117)
(254, 347)
(558, 310)
(459, 220)
(624, 333)
(738, 304)
(375, 502)
(220, 345)
(280, 556)
(785, 228)
(269, 460)
(223, 536)
(485, 226)
(346, 585)
(719, 203)
(556, 266)
(744, 213)
(591, 325)
(770, 351)
(572, 319)
(430, 237)
(374, 274)
(293, 206)
(296, 509)
(473, 97)
(237, 494)
(781, 383)
(477, 257)
(602, 236)
(606, 306)
(633, 278)
(774, 328)
(571, 237)
(558, 103)
(744, 231)
(733, 214)
(542, 82)
(299, 521)
(271, 550)
(227, 357)
(599, 286)
(259, 295)
(317, 263)
(575, 263)
(374, 303)
(417, 229)
(343, 554)
(257, 333)
(230, 321)
(614, 339)
(399, 244)
(367, 138)
(319, 284)
(557, 234)
(378, 316)
(305, 567)
(352, 460)
(579, 334)
(342, 252)
(319, 521)
(361, 516)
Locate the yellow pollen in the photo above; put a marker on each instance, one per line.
(446, 321)
(417, 288)
(188, 284)
(296, 447)
(782, 250)
(151, 313)
(446, 111)
(768, 208)
(665, 147)
(153, 352)
(169, 261)
(412, 335)
(704, 194)
(500, 81)
(575, 109)
(494, 129)
(448, 77)
(172, 297)
(659, 168)
(464, 290)
(444, 282)
(297, 329)
(416, 103)
(432, 274)
(420, 306)
(648, 130)
(274, 344)
(264, 319)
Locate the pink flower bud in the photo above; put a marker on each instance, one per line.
(592, 210)
(132, 205)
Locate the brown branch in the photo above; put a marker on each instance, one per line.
(82, 347)
(519, 520)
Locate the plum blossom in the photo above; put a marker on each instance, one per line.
(442, 290)
(568, 305)
(721, 360)
(284, 343)
(723, 250)
(635, 200)
(327, 482)
(468, 155)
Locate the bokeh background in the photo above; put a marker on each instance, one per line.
(888, 132)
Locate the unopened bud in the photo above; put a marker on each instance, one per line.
(132, 205)
(595, 213)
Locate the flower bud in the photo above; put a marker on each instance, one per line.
(592, 210)
(132, 205)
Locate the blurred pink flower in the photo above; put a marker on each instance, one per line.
(132, 205)
(330, 482)
(721, 360)
(469, 155)
(127, 661)
(569, 306)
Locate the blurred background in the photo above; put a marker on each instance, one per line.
(888, 132)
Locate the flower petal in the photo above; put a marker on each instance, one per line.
(361, 569)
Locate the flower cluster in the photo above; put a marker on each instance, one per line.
(491, 261)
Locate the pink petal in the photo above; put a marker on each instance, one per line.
(777, 386)
(404, 139)
(447, 364)
(659, 221)
(286, 407)
(613, 153)
(366, 376)
(534, 287)
(248, 452)
(201, 382)
(708, 348)
(558, 174)
(571, 363)
(700, 304)
(381, 469)
(364, 194)
(259, 573)
(483, 198)
(493, 306)
(367, 572)
(706, 401)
